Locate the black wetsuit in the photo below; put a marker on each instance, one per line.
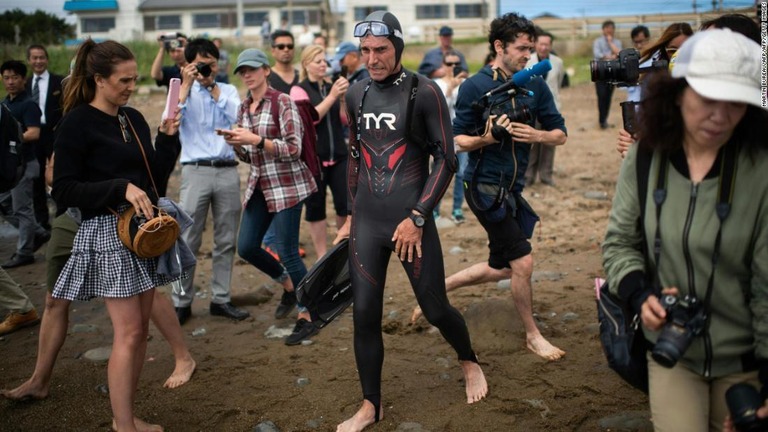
(390, 177)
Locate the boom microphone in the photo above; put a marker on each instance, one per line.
(522, 77)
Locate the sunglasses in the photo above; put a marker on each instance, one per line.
(452, 64)
(283, 46)
(375, 28)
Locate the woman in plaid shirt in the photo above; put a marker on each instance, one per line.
(278, 183)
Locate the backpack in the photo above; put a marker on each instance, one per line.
(12, 162)
(309, 117)
(621, 337)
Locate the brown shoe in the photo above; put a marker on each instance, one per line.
(16, 321)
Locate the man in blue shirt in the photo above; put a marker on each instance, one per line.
(606, 47)
(17, 204)
(498, 157)
(209, 176)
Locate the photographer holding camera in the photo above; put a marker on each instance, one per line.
(173, 44)
(702, 288)
(499, 140)
(209, 175)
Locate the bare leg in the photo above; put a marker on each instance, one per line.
(523, 298)
(363, 418)
(474, 381)
(53, 332)
(474, 275)
(130, 322)
(164, 318)
(318, 233)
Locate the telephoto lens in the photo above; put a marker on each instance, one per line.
(743, 402)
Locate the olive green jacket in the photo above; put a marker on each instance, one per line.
(738, 330)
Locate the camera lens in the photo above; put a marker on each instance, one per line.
(743, 402)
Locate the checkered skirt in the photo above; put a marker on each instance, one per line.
(101, 266)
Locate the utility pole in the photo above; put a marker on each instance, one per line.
(694, 6)
(240, 19)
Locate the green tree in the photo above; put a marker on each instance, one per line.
(37, 27)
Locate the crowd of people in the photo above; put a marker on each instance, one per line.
(388, 143)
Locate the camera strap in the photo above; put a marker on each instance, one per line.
(728, 166)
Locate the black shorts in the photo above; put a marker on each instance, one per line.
(335, 177)
(507, 242)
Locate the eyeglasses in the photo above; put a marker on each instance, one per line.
(123, 129)
(283, 46)
(375, 28)
(458, 63)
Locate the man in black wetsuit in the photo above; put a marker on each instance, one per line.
(392, 193)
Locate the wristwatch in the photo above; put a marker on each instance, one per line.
(417, 219)
(211, 87)
(260, 145)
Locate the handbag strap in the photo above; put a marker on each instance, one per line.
(141, 147)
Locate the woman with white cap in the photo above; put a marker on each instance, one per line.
(702, 288)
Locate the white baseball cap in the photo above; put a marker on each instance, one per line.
(721, 65)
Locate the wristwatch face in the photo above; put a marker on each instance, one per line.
(417, 220)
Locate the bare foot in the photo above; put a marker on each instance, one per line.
(363, 418)
(544, 349)
(416, 314)
(26, 392)
(474, 380)
(141, 426)
(182, 373)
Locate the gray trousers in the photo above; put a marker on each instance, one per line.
(541, 161)
(18, 209)
(218, 189)
(12, 298)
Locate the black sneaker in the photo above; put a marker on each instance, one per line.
(287, 302)
(303, 330)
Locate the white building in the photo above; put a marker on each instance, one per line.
(146, 19)
(422, 19)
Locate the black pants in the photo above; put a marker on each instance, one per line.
(370, 249)
(604, 95)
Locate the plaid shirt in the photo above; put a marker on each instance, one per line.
(282, 177)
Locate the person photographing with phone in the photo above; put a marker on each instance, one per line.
(209, 177)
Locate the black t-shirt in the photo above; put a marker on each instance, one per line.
(27, 113)
(278, 84)
(168, 73)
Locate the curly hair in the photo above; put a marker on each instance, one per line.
(508, 28)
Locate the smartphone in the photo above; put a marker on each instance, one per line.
(457, 70)
(224, 132)
(172, 101)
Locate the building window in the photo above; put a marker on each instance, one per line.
(254, 19)
(97, 25)
(168, 22)
(301, 17)
(363, 11)
(431, 11)
(206, 20)
(471, 10)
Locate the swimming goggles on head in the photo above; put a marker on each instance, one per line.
(375, 28)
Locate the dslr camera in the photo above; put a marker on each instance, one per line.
(743, 401)
(171, 41)
(519, 114)
(624, 71)
(204, 69)
(685, 320)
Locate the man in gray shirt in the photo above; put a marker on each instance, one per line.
(606, 47)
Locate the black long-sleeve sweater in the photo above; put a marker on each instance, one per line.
(94, 163)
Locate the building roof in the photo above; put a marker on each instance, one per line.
(176, 4)
(90, 5)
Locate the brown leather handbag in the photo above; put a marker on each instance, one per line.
(147, 238)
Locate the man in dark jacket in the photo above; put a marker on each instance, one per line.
(44, 88)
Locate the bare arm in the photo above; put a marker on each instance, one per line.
(156, 72)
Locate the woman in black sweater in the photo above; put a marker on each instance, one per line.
(100, 168)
